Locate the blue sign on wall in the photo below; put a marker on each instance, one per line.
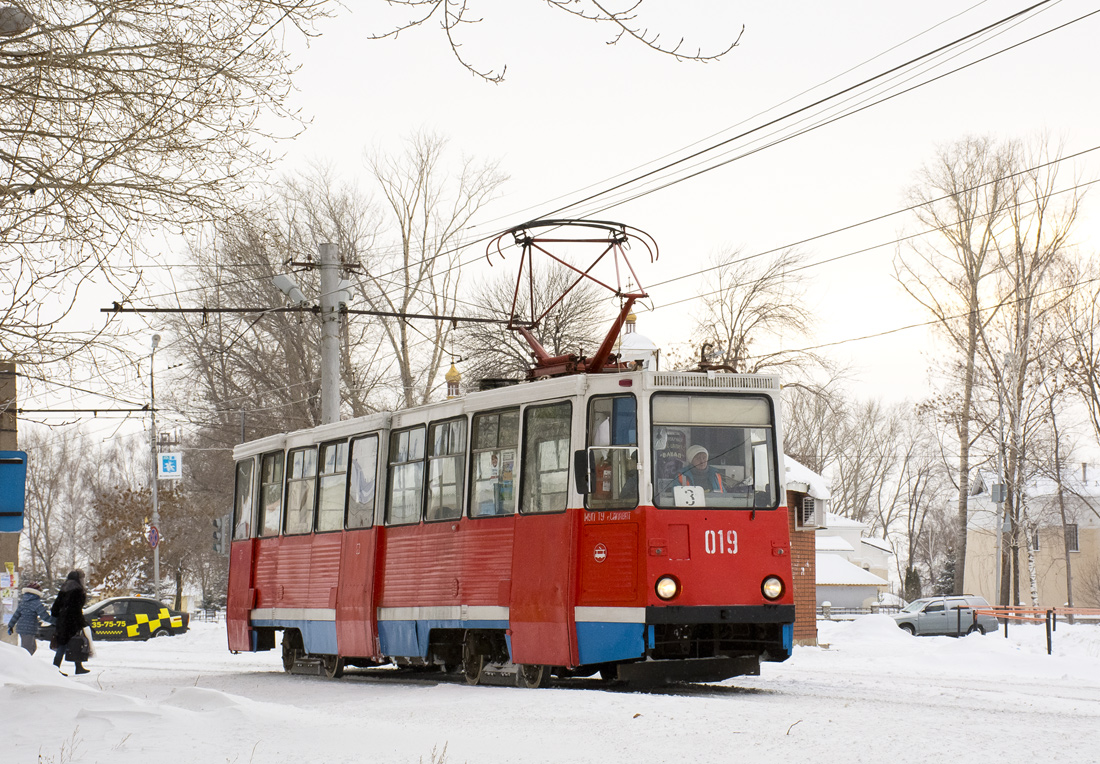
(13, 490)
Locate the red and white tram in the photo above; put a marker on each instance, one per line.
(626, 522)
(551, 527)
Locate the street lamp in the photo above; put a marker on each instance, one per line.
(155, 530)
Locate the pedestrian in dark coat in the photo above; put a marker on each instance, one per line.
(68, 609)
(24, 621)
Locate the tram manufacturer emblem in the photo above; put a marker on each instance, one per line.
(599, 554)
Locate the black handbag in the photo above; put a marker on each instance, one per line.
(77, 649)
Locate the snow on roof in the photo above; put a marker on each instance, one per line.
(833, 544)
(833, 570)
(1080, 480)
(878, 544)
(815, 484)
(839, 521)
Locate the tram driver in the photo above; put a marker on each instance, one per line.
(699, 472)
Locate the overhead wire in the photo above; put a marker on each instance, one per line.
(820, 101)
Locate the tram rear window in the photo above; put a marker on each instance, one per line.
(243, 500)
(714, 451)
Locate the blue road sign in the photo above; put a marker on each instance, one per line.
(13, 490)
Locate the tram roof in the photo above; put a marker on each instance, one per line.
(513, 395)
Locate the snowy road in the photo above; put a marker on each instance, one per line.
(875, 694)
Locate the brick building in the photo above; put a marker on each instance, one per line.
(807, 499)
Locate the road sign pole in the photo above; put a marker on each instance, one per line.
(153, 447)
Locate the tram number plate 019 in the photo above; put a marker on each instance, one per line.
(720, 542)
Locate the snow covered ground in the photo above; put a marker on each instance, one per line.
(874, 694)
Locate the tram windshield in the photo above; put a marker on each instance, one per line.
(714, 451)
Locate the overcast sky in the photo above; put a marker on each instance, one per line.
(575, 116)
(574, 113)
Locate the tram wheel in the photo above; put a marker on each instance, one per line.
(292, 649)
(333, 666)
(473, 661)
(532, 675)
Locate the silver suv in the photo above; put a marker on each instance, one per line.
(946, 615)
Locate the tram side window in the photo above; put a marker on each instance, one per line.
(446, 469)
(301, 488)
(545, 480)
(613, 452)
(361, 475)
(406, 481)
(332, 486)
(244, 498)
(496, 436)
(271, 493)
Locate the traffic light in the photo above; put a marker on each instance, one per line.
(221, 543)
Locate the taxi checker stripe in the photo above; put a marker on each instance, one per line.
(153, 625)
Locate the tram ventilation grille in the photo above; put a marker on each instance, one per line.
(719, 381)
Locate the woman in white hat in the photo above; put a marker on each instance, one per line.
(699, 472)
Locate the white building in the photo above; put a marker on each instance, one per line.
(852, 569)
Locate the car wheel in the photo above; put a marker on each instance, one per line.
(161, 633)
(976, 628)
(909, 628)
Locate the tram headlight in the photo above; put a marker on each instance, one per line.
(667, 587)
(772, 588)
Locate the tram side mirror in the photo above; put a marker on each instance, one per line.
(580, 470)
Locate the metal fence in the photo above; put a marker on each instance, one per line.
(830, 613)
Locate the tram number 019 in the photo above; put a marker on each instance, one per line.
(720, 542)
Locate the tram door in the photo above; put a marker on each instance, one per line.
(241, 594)
(541, 606)
(355, 605)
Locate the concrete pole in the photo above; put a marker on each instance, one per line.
(9, 441)
(153, 453)
(330, 334)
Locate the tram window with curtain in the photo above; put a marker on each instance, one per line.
(613, 452)
(244, 499)
(271, 493)
(545, 479)
(361, 479)
(332, 486)
(406, 477)
(495, 440)
(446, 469)
(301, 490)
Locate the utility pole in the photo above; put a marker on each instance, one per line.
(154, 532)
(330, 334)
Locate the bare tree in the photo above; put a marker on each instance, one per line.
(120, 116)
(57, 518)
(625, 23)
(416, 269)
(749, 303)
(813, 422)
(963, 198)
(1079, 318)
(494, 351)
